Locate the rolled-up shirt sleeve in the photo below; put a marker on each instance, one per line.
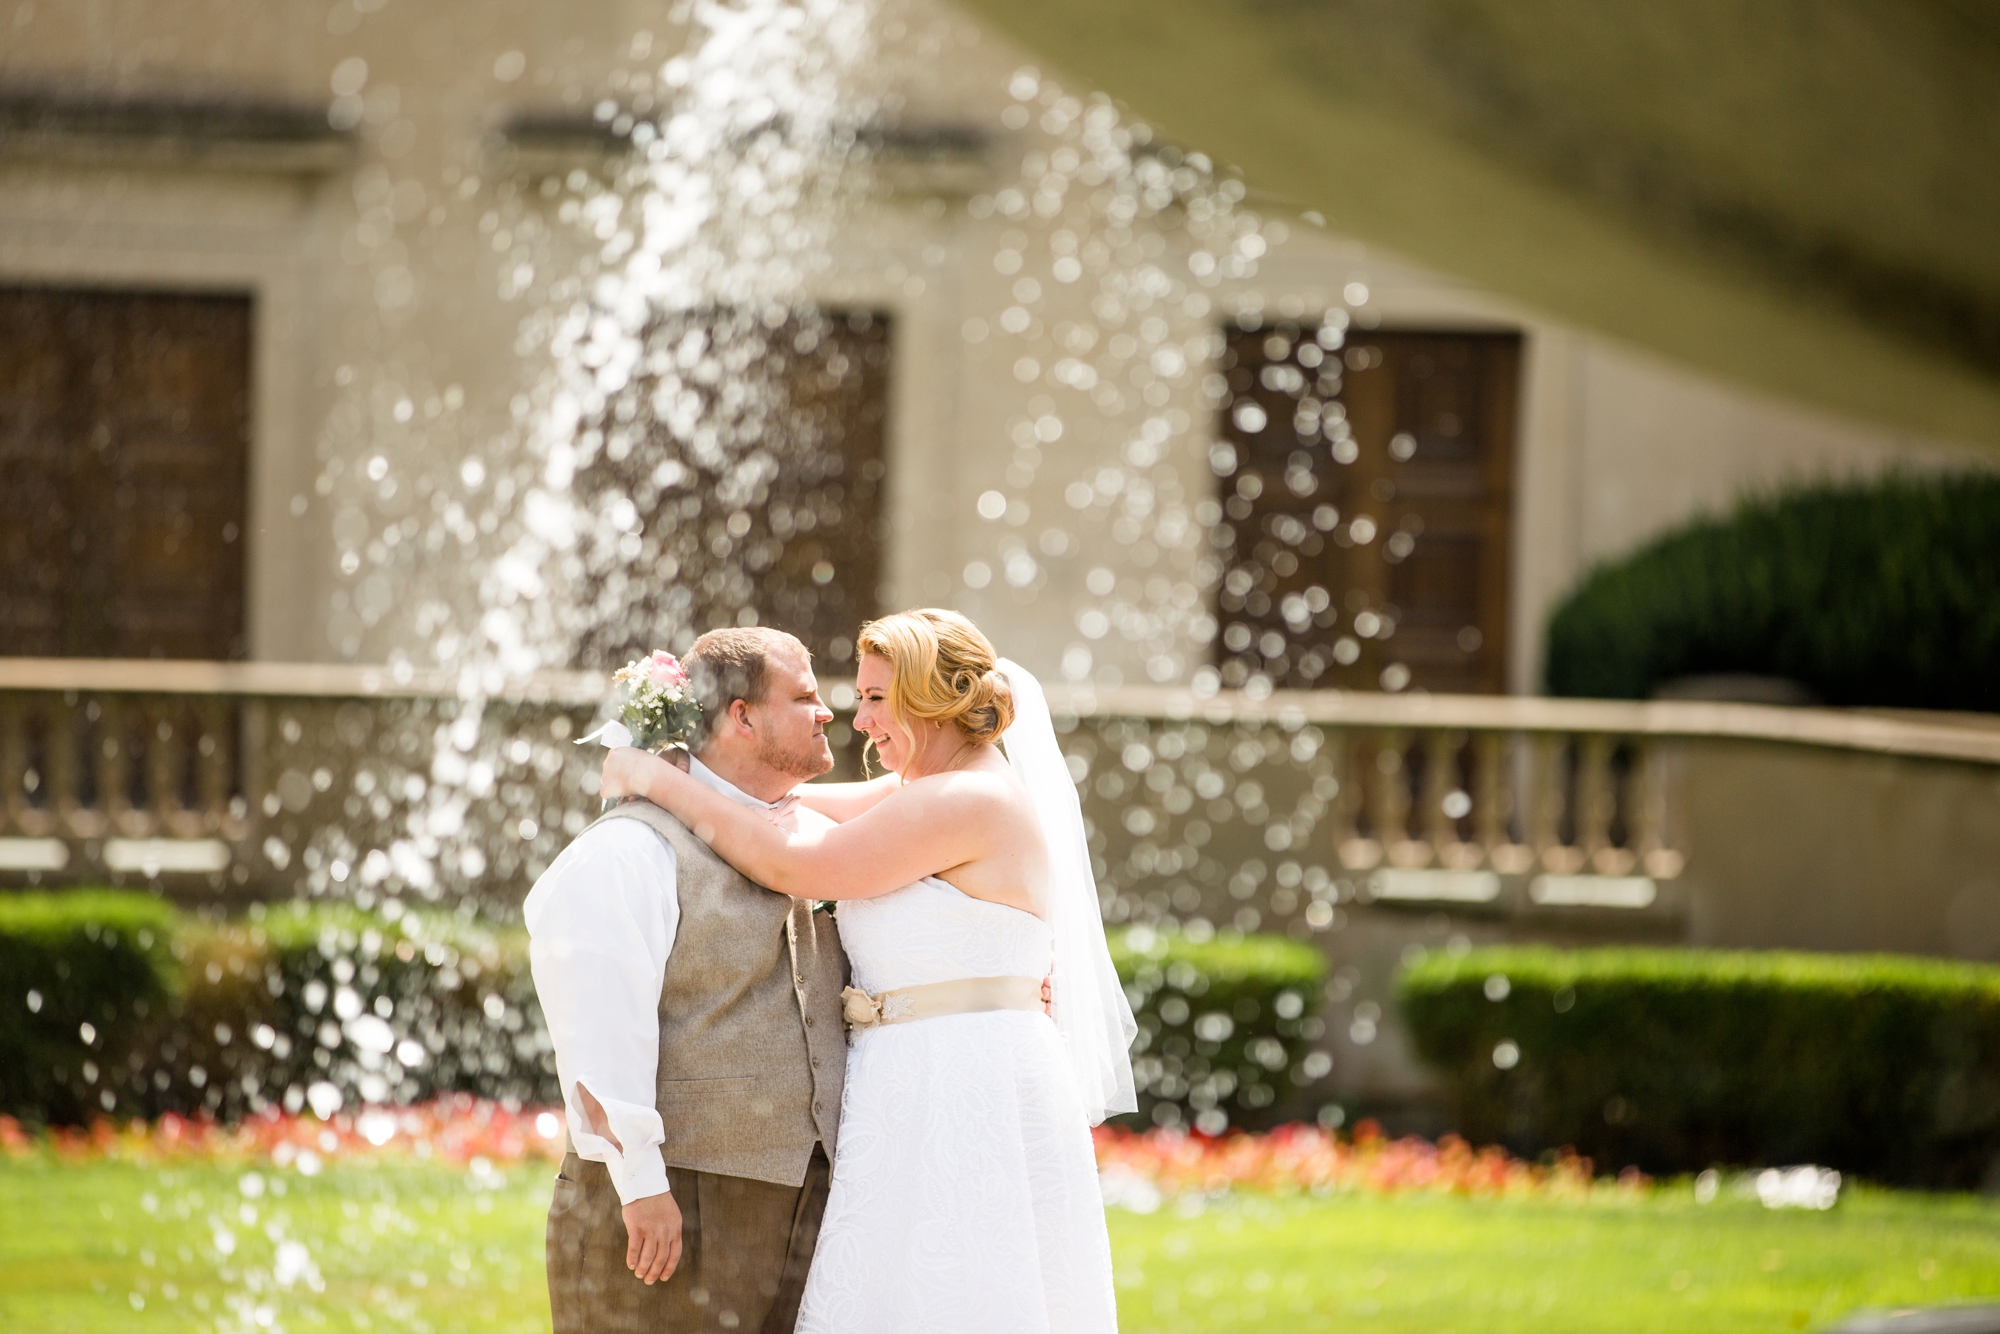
(601, 923)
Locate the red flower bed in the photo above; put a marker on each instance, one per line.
(461, 1129)
(1300, 1157)
(456, 1129)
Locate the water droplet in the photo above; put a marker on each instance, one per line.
(1250, 417)
(350, 76)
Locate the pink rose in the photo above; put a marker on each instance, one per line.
(666, 670)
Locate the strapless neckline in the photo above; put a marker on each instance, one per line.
(933, 931)
(943, 883)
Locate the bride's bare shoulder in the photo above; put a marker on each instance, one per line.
(988, 796)
(985, 781)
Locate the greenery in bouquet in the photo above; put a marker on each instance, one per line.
(654, 704)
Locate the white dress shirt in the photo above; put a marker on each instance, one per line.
(601, 923)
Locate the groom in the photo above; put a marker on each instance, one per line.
(698, 1034)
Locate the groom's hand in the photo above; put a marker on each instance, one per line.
(653, 1231)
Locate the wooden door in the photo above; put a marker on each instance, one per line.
(124, 453)
(1367, 507)
(762, 507)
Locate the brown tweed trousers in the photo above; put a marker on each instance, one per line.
(745, 1249)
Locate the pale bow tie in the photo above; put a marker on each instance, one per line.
(783, 813)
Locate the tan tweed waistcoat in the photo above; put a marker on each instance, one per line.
(753, 1054)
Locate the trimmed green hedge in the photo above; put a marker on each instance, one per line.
(286, 1001)
(1882, 593)
(1225, 1025)
(82, 976)
(1676, 1060)
(188, 1014)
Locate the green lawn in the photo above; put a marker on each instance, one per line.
(1433, 1265)
(111, 1246)
(410, 1247)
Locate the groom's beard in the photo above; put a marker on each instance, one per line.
(800, 762)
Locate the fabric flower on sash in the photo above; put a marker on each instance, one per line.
(862, 1010)
(859, 1008)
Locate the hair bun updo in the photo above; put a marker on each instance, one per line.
(942, 670)
(989, 707)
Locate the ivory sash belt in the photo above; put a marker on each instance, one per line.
(966, 995)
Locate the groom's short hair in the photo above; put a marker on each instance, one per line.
(724, 666)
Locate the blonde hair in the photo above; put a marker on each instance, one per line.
(941, 670)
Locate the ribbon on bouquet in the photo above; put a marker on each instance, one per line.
(611, 736)
(614, 734)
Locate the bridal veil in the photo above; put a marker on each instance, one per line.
(1091, 1010)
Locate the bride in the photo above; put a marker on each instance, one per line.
(964, 1193)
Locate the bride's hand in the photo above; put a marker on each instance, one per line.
(629, 772)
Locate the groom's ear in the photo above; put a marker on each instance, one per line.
(739, 715)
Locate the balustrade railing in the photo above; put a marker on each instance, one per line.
(249, 774)
(254, 775)
(1454, 799)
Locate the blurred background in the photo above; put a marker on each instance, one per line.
(1474, 477)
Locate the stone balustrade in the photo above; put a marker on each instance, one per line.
(1456, 802)
(259, 779)
(254, 778)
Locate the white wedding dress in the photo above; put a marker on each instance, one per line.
(965, 1197)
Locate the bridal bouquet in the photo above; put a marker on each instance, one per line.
(654, 705)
